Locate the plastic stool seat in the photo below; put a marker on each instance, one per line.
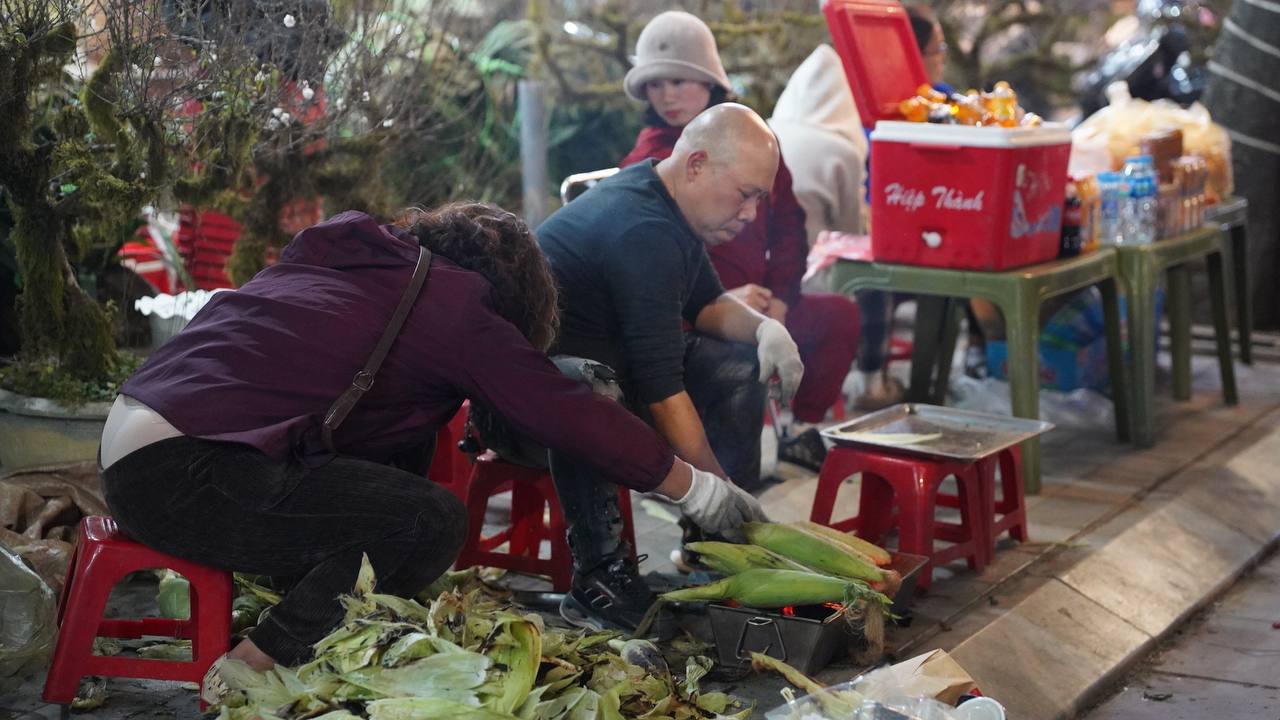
(536, 515)
(102, 557)
(902, 490)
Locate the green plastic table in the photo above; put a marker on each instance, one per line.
(1018, 294)
(1232, 216)
(1140, 269)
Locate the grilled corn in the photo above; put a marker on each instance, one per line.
(813, 551)
(877, 554)
(732, 558)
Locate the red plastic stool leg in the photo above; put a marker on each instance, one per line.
(835, 468)
(878, 508)
(1012, 507)
(915, 520)
(80, 611)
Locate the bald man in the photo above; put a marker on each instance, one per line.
(645, 318)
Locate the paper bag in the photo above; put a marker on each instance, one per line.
(934, 674)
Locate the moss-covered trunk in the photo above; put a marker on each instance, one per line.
(57, 320)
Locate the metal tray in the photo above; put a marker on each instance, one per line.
(965, 435)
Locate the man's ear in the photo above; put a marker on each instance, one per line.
(696, 164)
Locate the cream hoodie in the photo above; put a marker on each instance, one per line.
(822, 142)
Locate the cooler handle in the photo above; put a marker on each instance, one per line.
(935, 148)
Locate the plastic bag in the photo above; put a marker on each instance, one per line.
(27, 621)
(1122, 123)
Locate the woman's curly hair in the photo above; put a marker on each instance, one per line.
(497, 244)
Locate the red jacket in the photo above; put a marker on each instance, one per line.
(771, 251)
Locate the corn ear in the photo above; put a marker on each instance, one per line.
(813, 551)
(877, 554)
(764, 588)
(733, 558)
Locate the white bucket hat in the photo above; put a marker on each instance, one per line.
(675, 45)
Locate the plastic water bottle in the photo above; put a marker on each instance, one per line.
(1140, 208)
(1113, 192)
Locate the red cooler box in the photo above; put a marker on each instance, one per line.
(974, 198)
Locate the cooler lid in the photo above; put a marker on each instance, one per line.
(878, 49)
(971, 136)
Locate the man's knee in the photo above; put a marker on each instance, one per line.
(714, 361)
(602, 378)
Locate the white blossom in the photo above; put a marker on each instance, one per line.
(398, 29)
(156, 62)
(290, 21)
(365, 96)
(286, 118)
(308, 93)
(277, 111)
(388, 122)
(273, 124)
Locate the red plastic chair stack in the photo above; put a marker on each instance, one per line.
(535, 516)
(902, 490)
(102, 557)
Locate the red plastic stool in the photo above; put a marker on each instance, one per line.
(902, 490)
(1009, 514)
(532, 491)
(102, 557)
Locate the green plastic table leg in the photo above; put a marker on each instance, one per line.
(1180, 330)
(1218, 298)
(952, 312)
(1140, 293)
(1244, 306)
(930, 315)
(1115, 359)
(1022, 330)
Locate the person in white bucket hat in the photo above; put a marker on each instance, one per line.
(678, 48)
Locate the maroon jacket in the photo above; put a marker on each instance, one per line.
(771, 251)
(262, 364)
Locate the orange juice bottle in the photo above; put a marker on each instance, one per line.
(915, 109)
(1003, 103)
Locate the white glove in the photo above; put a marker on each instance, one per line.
(778, 354)
(717, 505)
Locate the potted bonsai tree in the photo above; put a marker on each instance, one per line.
(67, 174)
(245, 107)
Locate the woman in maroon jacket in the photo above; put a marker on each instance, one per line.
(222, 448)
(679, 74)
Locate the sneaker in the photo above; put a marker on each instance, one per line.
(613, 596)
(877, 390)
(806, 450)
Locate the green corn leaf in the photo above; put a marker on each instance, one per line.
(450, 675)
(429, 709)
(174, 596)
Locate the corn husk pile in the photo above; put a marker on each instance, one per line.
(468, 654)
